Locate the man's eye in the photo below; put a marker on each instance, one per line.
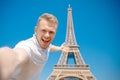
(43, 31)
(51, 32)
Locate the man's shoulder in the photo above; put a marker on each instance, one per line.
(26, 42)
(26, 45)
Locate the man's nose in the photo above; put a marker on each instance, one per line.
(47, 34)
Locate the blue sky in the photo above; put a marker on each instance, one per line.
(96, 25)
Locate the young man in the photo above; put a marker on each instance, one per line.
(26, 60)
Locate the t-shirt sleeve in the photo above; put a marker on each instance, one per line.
(50, 47)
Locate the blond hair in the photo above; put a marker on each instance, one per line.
(48, 17)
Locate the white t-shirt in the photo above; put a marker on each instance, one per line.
(38, 57)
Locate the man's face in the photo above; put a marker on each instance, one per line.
(45, 32)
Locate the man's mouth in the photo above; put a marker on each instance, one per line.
(45, 40)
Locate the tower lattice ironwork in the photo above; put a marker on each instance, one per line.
(71, 65)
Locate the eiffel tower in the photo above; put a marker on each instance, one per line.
(71, 65)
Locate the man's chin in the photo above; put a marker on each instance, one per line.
(44, 47)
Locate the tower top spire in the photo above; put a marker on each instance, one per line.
(70, 35)
(69, 8)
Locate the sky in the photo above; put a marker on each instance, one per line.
(96, 27)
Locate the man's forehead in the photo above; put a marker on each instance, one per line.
(48, 23)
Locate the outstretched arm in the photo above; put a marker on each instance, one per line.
(62, 48)
(11, 59)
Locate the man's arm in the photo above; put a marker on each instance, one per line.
(10, 59)
(62, 48)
